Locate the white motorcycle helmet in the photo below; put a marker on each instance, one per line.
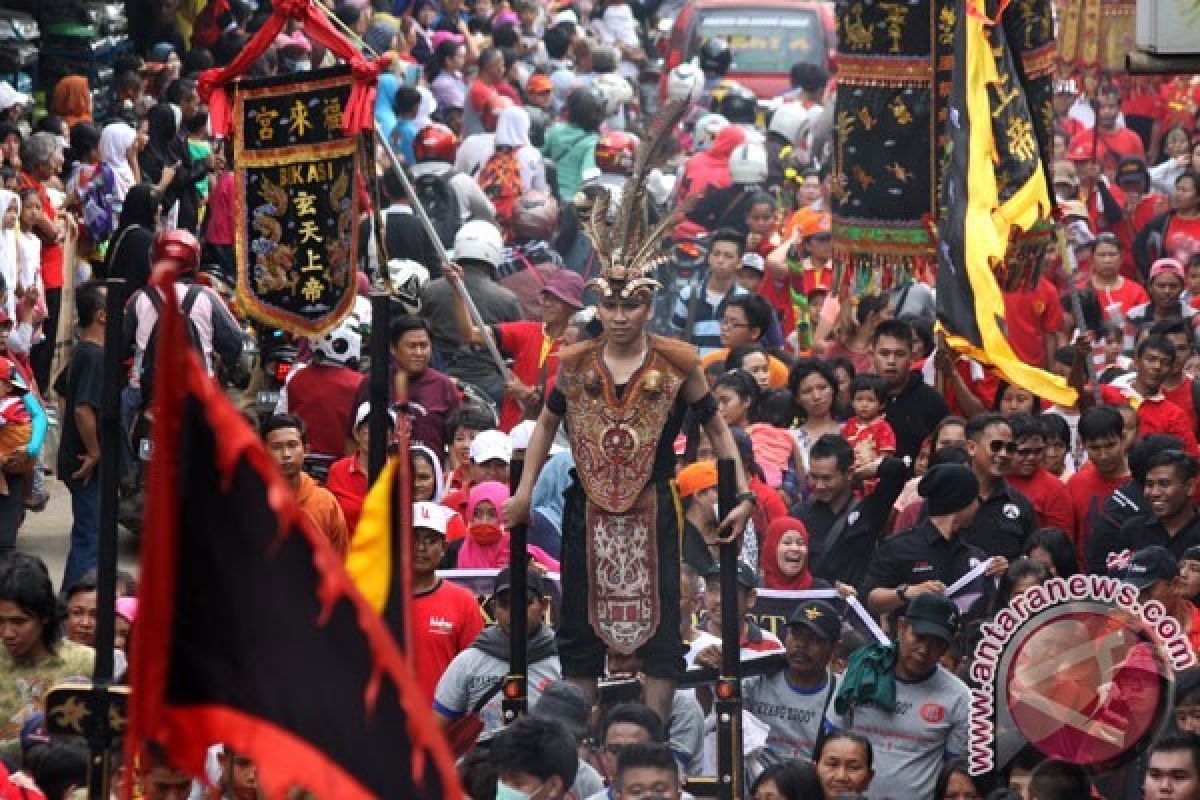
(788, 121)
(707, 128)
(407, 277)
(341, 344)
(685, 82)
(479, 240)
(748, 164)
(616, 91)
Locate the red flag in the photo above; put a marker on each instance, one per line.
(251, 633)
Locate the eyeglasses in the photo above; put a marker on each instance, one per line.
(1026, 452)
(996, 446)
(728, 323)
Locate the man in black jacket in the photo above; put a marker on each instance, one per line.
(842, 530)
(914, 408)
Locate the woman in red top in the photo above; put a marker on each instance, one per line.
(1176, 233)
(1117, 294)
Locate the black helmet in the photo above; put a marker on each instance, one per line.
(739, 106)
(586, 108)
(715, 57)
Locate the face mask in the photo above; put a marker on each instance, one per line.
(486, 533)
(506, 792)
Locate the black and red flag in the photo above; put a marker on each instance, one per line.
(251, 633)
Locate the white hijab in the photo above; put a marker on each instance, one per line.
(115, 141)
(426, 108)
(512, 127)
(8, 251)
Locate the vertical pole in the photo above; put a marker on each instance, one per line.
(99, 731)
(728, 706)
(377, 423)
(514, 703)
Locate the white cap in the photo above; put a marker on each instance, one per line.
(432, 516)
(489, 445)
(364, 409)
(754, 261)
(522, 432)
(10, 97)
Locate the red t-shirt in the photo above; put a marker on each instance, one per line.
(1182, 396)
(1031, 315)
(1182, 239)
(1155, 415)
(779, 296)
(526, 341)
(1089, 490)
(478, 95)
(349, 485)
(1050, 499)
(323, 396)
(445, 621)
(1112, 146)
(1127, 295)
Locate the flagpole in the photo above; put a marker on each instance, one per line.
(728, 705)
(516, 691)
(100, 734)
(377, 422)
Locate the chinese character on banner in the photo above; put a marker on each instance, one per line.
(296, 171)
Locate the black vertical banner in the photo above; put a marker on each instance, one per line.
(297, 200)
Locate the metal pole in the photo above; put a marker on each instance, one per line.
(515, 701)
(728, 706)
(423, 218)
(99, 731)
(380, 392)
(1068, 261)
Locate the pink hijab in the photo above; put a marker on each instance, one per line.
(482, 549)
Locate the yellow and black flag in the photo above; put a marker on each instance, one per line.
(994, 188)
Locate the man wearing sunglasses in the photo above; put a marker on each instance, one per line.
(1006, 517)
(1049, 496)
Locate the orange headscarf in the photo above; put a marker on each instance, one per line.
(72, 100)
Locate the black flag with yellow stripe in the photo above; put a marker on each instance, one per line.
(994, 187)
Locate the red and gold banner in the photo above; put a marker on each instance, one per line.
(297, 207)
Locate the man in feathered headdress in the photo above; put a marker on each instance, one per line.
(625, 395)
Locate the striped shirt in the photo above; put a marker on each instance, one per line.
(705, 332)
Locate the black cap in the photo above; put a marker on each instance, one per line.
(932, 614)
(1192, 553)
(1132, 168)
(565, 702)
(747, 578)
(820, 618)
(948, 488)
(1149, 565)
(534, 582)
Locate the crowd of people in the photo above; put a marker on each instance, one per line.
(873, 459)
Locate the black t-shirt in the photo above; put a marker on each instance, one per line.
(82, 384)
(913, 414)
(1002, 524)
(923, 554)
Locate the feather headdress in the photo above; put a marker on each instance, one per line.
(628, 249)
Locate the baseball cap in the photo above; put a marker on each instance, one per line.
(1081, 149)
(534, 582)
(1192, 553)
(489, 445)
(1167, 266)
(747, 578)
(1132, 169)
(33, 732)
(932, 614)
(364, 410)
(820, 618)
(696, 477)
(754, 261)
(522, 432)
(127, 607)
(433, 516)
(1149, 565)
(1066, 86)
(296, 40)
(566, 286)
(539, 83)
(565, 702)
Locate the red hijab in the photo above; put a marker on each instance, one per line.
(773, 577)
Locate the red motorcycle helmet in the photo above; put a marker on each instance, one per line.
(435, 142)
(178, 246)
(616, 152)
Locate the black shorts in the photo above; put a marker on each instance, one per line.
(580, 650)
